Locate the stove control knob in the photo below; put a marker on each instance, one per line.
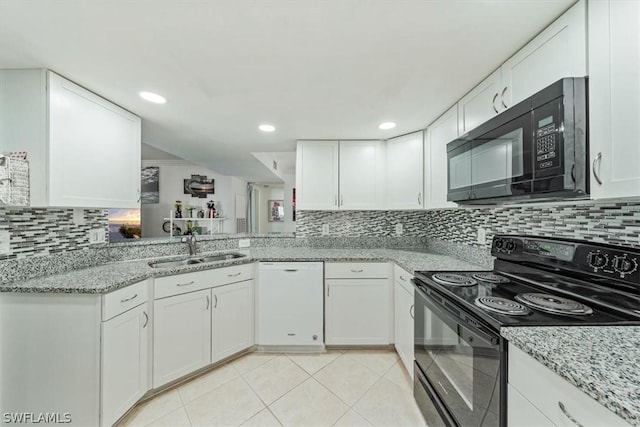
(510, 245)
(597, 260)
(499, 244)
(622, 264)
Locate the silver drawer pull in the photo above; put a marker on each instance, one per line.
(234, 275)
(208, 302)
(596, 170)
(568, 415)
(353, 270)
(290, 270)
(146, 319)
(129, 299)
(185, 284)
(411, 311)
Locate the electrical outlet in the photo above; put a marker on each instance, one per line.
(482, 236)
(5, 239)
(244, 243)
(399, 229)
(96, 236)
(325, 229)
(78, 216)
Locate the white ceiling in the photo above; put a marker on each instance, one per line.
(314, 69)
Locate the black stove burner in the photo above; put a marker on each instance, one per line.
(453, 279)
(502, 306)
(490, 277)
(553, 304)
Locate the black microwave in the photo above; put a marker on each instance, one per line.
(536, 149)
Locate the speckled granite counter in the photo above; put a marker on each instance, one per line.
(108, 277)
(602, 361)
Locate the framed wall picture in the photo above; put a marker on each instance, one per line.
(150, 185)
(276, 211)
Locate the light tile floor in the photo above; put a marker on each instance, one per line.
(339, 388)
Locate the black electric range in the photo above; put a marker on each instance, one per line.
(460, 370)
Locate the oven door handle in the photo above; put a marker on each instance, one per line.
(481, 332)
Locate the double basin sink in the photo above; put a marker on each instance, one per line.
(191, 261)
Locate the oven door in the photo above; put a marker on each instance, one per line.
(462, 363)
(496, 163)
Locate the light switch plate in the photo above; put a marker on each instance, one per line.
(482, 236)
(5, 239)
(325, 229)
(244, 243)
(399, 229)
(78, 216)
(96, 236)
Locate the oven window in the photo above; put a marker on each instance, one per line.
(498, 159)
(452, 355)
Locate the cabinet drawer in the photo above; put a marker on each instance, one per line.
(356, 270)
(546, 390)
(119, 301)
(233, 274)
(403, 277)
(182, 283)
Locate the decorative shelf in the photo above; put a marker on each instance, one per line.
(214, 223)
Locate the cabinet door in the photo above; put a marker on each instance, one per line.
(404, 326)
(317, 175)
(94, 149)
(231, 319)
(404, 174)
(361, 175)
(125, 361)
(181, 335)
(439, 134)
(357, 311)
(614, 98)
(559, 51)
(521, 412)
(480, 104)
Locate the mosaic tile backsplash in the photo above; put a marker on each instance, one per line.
(612, 222)
(37, 231)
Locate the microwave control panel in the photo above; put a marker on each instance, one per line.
(547, 153)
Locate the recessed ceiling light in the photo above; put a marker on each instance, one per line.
(267, 128)
(387, 125)
(153, 97)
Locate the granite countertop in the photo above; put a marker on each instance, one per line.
(602, 361)
(109, 277)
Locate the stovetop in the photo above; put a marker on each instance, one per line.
(604, 305)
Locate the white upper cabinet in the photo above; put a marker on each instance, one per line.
(439, 134)
(317, 175)
(558, 51)
(83, 150)
(614, 98)
(361, 175)
(482, 103)
(404, 173)
(332, 175)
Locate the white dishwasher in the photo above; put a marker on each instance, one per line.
(290, 304)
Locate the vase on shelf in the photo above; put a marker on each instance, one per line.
(178, 208)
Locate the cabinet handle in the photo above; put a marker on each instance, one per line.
(353, 270)
(215, 304)
(129, 299)
(207, 308)
(596, 171)
(493, 102)
(342, 200)
(235, 274)
(568, 415)
(411, 311)
(185, 284)
(403, 278)
(419, 198)
(291, 270)
(335, 200)
(139, 195)
(146, 319)
(502, 96)
(328, 289)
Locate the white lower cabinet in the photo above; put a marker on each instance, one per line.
(404, 313)
(125, 362)
(358, 310)
(543, 396)
(182, 335)
(231, 319)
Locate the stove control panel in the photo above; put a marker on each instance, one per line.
(606, 261)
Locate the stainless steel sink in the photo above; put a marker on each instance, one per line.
(190, 261)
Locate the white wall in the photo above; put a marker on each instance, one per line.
(264, 193)
(172, 176)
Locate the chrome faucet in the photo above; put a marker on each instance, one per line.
(191, 243)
